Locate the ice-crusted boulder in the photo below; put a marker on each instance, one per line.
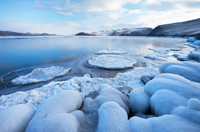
(175, 83)
(112, 62)
(165, 123)
(189, 70)
(54, 114)
(194, 56)
(164, 101)
(41, 75)
(15, 118)
(106, 93)
(139, 101)
(194, 104)
(111, 51)
(112, 118)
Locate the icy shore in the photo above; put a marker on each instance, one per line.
(169, 102)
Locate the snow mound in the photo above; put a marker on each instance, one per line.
(156, 57)
(15, 118)
(175, 83)
(41, 74)
(165, 101)
(54, 113)
(194, 56)
(160, 50)
(111, 51)
(139, 101)
(193, 104)
(107, 93)
(112, 62)
(165, 123)
(189, 70)
(112, 118)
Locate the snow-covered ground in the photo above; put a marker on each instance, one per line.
(111, 51)
(112, 62)
(41, 75)
(89, 104)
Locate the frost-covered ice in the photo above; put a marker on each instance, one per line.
(111, 51)
(182, 57)
(160, 50)
(41, 74)
(112, 62)
(189, 70)
(84, 84)
(15, 118)
(157, 57)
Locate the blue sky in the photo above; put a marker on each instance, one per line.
(68, 17)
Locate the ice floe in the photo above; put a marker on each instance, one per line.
(157, 57)
(160, 50)
(111, 62)
(111, 51)
(181, 57)
(41, 74)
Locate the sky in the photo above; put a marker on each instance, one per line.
(67, 17)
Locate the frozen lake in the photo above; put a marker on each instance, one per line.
(23, 54)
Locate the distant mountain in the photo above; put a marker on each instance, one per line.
(119, 32)
(9, 33)
(180, 29)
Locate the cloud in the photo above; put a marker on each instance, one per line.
(65, 13)
(136, 11)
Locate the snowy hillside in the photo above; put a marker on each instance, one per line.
(119, 32)
(181, 29)
(9, 33)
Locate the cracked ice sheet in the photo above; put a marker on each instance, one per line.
(34, 97)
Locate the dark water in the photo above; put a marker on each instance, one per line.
(19, 56)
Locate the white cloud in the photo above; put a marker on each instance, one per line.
(65, 13)
(136, 11)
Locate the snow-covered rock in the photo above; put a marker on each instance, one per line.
(193, 104)
(54, 114)
(160, 50)
(196, 42)
(112, 62)
(191, 39)
(175, 83)
(189, 70)
(146, 78)
(15, 118)
(164, 101)
(181, 57)
(41, 74)
(139, 101)
(107, 93)
(112, 118)
(111, 51)
(165, 123)
(194, 56)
